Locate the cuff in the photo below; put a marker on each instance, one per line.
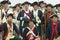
(21, 18)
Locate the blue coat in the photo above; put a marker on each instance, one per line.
(36, 32)
(21, 14)
(25, 24)
(5, 29)
(49, 30)
(39, 14)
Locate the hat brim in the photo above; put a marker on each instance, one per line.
(15, 7)
(4, 2)
(49, 5)
(35, 3)
(41, 3)
(26, 3)
(58, 5)
(10, 15)
(19, 5)
(32, 21)
(54, 15)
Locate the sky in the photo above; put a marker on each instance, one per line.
(53, 2)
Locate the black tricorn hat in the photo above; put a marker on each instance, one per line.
(49, 5)
(35, 3)
(10, 15)
(4, 2)
(41, 2)
(19, 5)
(31, 21)
(57, 5)
(54, 15)
(26, 2)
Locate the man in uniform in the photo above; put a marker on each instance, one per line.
(53, 28)
(8, 28)
(6, 10)
(36, 15)
(58, 10)
(24, 16)
(17, 10)
(31, 32)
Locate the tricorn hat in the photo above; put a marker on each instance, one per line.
(49, 5)
(10, 15)
(54, 15)
(4, 2)
(19, 5)
(26, 3)
(35, 3)
(41, 2)
(57, 5)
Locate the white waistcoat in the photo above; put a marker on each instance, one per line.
(8, 12)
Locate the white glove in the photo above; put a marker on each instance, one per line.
(37, 38)
(21, 18)
(38, 21)
(58, 38)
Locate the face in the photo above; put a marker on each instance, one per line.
(18, 8)
(31, 24)
(42, 5)
(55, 19)
(49, 9)
(5, 5)
(9, 19)
(26, 6)
(35, 7)
(58, 8)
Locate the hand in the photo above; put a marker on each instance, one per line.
(38, 21)
(37, 38)
(25, 17)
(21, 37)
(21, 18)
(58, 38)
